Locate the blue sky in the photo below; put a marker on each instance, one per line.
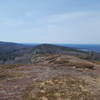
(50, 21)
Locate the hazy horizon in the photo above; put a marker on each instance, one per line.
(50, 43)
(50, 21)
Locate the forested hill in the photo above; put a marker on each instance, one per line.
(13, 53)
(9, 51)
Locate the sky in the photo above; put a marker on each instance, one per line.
(50, 21)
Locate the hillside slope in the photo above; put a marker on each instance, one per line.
(52, 77)
(14, 53)
(52, 49)
(10, 52)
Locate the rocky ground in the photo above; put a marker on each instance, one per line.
(51, 77)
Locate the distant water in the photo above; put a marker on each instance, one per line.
(85, 47)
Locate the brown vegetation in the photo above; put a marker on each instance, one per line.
(59, 88)
(50, 77)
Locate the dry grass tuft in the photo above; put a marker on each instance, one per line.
(60, 88)
(82, 65)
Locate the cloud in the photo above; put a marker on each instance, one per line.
(76, 27)
(62, 18)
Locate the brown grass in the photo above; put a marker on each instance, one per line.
(82, 65)
(59, 88)
(10, 66)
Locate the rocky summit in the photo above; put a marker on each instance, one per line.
(55, 73)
